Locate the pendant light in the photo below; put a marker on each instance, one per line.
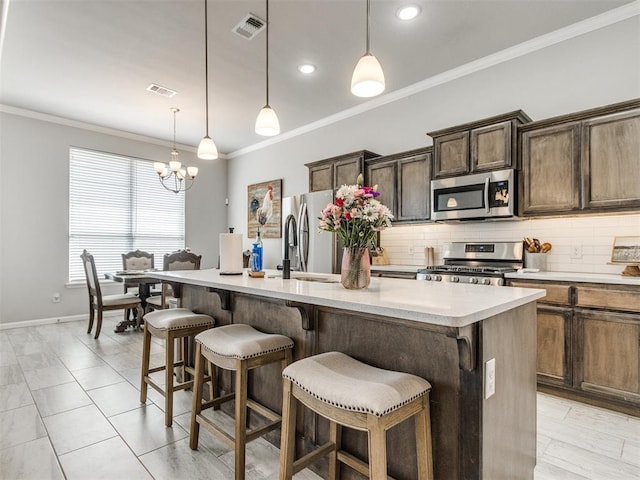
(207, 149)
(267, 123)
(368, 77)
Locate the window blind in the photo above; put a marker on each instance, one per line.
(117, 204)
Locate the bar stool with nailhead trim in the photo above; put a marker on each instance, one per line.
(171, 324)
(356, 395)
(239, 348)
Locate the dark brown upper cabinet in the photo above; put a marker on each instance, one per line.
(480, 146)
(331, 173)
(403, 182)
(583, 162)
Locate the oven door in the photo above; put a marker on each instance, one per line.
(486, 195)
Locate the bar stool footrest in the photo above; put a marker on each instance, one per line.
(309, 458)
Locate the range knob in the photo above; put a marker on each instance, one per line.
(473, 280)
(500, 281)
(455, 279)
(437, 278)
(486, 281)
(427, 277)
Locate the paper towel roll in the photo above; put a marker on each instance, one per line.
(230, 253)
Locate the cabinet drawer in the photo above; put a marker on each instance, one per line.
(593, 297)
(556, 294)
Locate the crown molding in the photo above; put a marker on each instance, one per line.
(558, 36)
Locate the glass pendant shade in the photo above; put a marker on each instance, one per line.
(267, 123)
(368, 77)
(207, 149)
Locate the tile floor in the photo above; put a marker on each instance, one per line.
(69, 408)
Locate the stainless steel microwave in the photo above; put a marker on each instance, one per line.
(478, 196)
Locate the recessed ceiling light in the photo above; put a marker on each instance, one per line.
(408, 12)
(306, 68)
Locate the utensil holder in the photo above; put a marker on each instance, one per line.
(536, 260)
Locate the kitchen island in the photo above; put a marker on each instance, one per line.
(442, 332)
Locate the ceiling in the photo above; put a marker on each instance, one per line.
(91, 60)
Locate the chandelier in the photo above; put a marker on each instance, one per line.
(175, 177)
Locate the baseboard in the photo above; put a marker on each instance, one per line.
(48, 321)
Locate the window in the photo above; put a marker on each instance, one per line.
(117, 204)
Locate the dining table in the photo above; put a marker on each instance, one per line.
(134, 278)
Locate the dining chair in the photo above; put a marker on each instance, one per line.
(136, 260)
(99, 303)
(178, 260)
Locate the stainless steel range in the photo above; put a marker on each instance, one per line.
(484, 263)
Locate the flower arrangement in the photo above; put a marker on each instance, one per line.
(356, 216)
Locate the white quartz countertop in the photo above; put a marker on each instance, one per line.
(396, 268)
(445, 304)
(576, 277)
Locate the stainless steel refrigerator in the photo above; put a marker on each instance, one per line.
(309, 249)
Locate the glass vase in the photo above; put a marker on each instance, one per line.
(356, 268)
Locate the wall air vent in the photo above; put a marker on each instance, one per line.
(249, 26)
(160, 90)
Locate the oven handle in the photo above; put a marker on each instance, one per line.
(486, 194)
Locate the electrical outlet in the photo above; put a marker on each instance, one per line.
(55, 298)
(489, 378)
(576, 252)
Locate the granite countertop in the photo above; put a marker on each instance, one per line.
(445, 304)
(576, 277)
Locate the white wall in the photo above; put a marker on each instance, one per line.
(34, 212)
(591, 70)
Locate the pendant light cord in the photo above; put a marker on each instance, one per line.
(267, 77)
(368, 24)
(206, 66)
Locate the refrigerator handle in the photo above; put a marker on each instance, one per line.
(303, 237)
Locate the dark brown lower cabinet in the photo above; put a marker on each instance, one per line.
(554, 345)
(610, 360)
(588, 338)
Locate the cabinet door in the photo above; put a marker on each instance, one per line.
(384, 175)
(321, 177)
(346, 171)
(550, 164)
(608, 349)
(554, 345)
(491, 147)
(611, 160)
(451, 154)
(414, 188)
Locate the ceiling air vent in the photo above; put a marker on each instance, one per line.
(249, 26)
(160, 90)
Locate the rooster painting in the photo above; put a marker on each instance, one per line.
(263, 214)
(264, 205)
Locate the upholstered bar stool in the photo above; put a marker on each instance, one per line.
(171, 324)
(356, 395)
(238, 348)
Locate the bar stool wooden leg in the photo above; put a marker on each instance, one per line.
(211, 371)
(146, 349)
(288, 436)
(196, 405)
(335, 437)
(241, 418)
(168, 386)
(377, 449)
(423, 442)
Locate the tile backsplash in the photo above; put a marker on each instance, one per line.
(580, 244)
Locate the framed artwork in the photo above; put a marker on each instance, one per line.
(626, 250)
(264, 207)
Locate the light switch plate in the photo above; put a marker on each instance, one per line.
(489, 378)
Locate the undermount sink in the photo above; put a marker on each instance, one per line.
(317, 279)
(307, 278)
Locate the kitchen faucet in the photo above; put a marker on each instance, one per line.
(286, 263)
